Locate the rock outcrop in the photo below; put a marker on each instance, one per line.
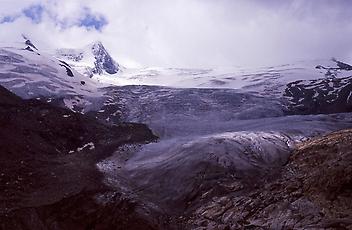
(313, 191)
(320, 96)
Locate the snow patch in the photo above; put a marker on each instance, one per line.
(89, 145)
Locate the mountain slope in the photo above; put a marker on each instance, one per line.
(313, 191)
(263, 80)
(36, 74)
(49, 154)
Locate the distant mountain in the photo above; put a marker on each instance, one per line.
(93, 59)
(310, 87)
(31, 73)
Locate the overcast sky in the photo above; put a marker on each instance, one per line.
(188, 33)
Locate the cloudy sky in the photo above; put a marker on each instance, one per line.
(187, 33)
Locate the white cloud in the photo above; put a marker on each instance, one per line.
(195, 33)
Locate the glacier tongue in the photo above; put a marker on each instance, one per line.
(172, 170)
(207, 137)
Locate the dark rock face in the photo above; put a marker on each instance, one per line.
(327, 95)
(48, 177)
(314, 191)
(29, 49)
(67, 67)
(65, 63)
(68, 70)
(321, 96)
(30, 44)
(332, 71)
(103, 60)
(342, 65)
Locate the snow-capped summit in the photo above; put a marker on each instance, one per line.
(21, 43)
(30, 73)
(92, 60)
(103, 60)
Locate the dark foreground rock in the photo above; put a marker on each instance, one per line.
(83, 211)
(314, 191)
(48, 177)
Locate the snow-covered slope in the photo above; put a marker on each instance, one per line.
(92, 60)
(300, 88)
(311, 87)
(30, 73)
(261, 80)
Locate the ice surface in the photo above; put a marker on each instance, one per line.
(206, 136)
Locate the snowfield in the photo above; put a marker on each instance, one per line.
(258, 80)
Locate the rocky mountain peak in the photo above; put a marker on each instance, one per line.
(103, 61)
(28, 42)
